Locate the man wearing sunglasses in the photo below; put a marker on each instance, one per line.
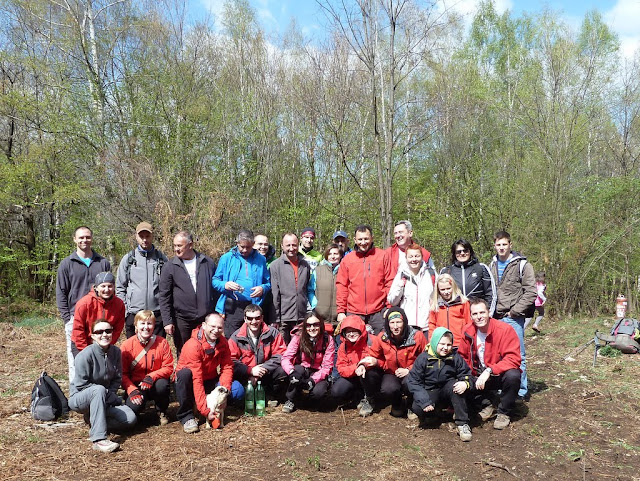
(256, 350)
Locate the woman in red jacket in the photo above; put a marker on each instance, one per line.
(449, 308)
(147, 364)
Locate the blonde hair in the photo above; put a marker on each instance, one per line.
(455, 291)
(143, 316)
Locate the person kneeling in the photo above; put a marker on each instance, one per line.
(95, 386)
(441, 376)
(148, 364)
(359, 374)
(308, 361)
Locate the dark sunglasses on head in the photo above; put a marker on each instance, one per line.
(462, 251)
(99, 332)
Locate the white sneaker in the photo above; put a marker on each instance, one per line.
(105, 446)
(191, 426)
(464, 432)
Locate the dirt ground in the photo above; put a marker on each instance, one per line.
(581, 423)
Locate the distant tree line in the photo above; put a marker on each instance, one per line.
(113, 112)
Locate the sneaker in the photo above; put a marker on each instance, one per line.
(105, 446)
(366, 409)
(288, 407)
(191, 426)
(487, 412)
(502, 421)
(464, 432)
(411, 416)
(272, 403)
(164, 420)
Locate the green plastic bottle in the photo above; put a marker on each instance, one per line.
(261, 402)
(249, 400)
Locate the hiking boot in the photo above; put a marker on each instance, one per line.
(536, 328)
(164, 420)
(487, 412)
(105, 446)
(288, 407)
(397, 412)
(366, 409)
(502, 421)
(191, 426)
(464, 432)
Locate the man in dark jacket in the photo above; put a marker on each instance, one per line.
(292, 287)
(76, 274)
(138, 281)
(186, 294)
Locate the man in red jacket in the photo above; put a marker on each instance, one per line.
(492, 349)
(197, 372)
(363, 281)
(403, 234)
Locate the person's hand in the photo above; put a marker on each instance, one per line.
(258, 371)
(212, 415)
(146, 383)
(293, 378)
(232, 286)
(135, 397)
(401, 372)
(310, 384)
(429, 408)
(361, 370)
(257, 291)
(340, 317)
(368, 361)
(460, 387)
(482, 379)
(169, 329)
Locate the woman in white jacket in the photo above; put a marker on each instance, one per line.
(412, 287)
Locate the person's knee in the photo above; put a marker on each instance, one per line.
(184, 376)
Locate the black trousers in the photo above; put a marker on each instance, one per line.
(344, 389)
(182, 332)
(508, 382)
(184, 393)
(159, 392)
(302, 373)
(444, 396)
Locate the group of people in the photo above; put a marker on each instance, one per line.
(365, 327)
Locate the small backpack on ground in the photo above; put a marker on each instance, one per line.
(48, 402)
(626, 334)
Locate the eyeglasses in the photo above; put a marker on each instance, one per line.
(313, 324)
(100, 332)
(253, 318)
(462, 251)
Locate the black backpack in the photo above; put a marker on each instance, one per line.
(48, 402)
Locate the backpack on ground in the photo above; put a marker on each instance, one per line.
(626, 334)
(48, 402)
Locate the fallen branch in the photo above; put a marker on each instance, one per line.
(497, 465)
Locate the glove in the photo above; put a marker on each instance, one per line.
(146, 383)
(310, 384)
(135, 397)
(293, 379)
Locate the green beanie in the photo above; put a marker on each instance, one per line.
(436, 336)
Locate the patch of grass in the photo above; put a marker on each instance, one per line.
(8, 392)
(314, 461)
(623, 444)
(535, 431)
(608, 351)
(412, 447)
(36, 323)
(32, 438)
(575, 455)
(290, 462)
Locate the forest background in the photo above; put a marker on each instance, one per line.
(117, 111)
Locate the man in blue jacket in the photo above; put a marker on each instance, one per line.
(242, 278)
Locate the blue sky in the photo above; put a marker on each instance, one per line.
(623, 16)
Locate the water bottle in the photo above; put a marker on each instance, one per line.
(260, 400)
(249, 400)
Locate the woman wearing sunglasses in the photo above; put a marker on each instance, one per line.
(308, 361)
(94, 388)
(472, 277)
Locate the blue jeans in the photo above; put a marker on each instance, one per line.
(518, 324)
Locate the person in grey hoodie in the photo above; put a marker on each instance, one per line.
(138, 279)
(93, 391)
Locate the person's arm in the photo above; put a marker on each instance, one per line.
(529, 293)
(345, 368)
(278, 348)
(311, 290)
(507, 345)
(289, 357)
(275, 289)
(62, 292)
(220, 277)
(127, 359)
(121, 280)
(396, 291)
(80, 332)
(342, 288)
(226, 366)
(162, 350)
(266, 277)
(327, 362)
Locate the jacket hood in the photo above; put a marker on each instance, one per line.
(435, 339)
(353, 322)
(515, 256)
(394, 313)
(453, 302)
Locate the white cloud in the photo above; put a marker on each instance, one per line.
(623, 19)
(214, 6)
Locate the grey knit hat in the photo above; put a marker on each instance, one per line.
(104, 277)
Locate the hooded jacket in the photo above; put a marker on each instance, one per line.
(90, 308)
(267, 351)
(204, 361)
(74, 281)
(138, 281)
(350, 354)
(157, 362)
(516, 293)
(453, 315)
(431, 371)
(501, 349)
(229, 268)
(177, 298)
(474, 279)
(412, 292)
(392, 355)
(393, 253)
(321, 361)
(363, 282)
